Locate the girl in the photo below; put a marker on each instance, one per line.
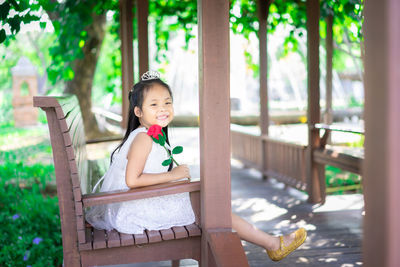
(137, 162)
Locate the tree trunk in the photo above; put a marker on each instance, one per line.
(84, 69)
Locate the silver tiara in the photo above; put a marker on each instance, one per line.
(150, 75)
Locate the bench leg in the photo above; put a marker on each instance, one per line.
(175, 263)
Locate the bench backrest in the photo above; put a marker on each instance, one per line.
(67, 138)
(77, 140)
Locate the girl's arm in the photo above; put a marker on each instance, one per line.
(137, 156)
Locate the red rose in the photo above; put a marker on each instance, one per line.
(154, 131)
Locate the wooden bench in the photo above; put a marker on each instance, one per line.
(331, 156)
(85, 246)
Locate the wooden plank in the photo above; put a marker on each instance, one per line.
(81, 236)
(70, 153)
(180, 232)
(67, 139)
(80, 222)
(126, 239)
(193, 229)
(154, 236)
(226, 249)
(88, 245)
(45, 101)
(113, 239)
(63, 123)
(75, 180)
(139, 193)
(167, 234)
(340, 160)
(78, 208)
(99, 239)
(161, 251)
(141, 238)
(77, 194)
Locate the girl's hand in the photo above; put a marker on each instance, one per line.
(181, 171)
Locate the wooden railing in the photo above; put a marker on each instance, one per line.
(287, 162)
(283, 161)
(248, 149)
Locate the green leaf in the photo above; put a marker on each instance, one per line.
(4, 10)
(2, 35)
(42, 24)
(14, 23)
(166, 162)
(177, 150)
(155, 140)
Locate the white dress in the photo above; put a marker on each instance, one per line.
(132, 217)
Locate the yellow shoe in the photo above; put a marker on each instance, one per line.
(283, 251)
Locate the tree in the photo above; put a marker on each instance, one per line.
(80, 27)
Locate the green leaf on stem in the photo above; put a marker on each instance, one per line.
(177, 150)
(166, 162)
(155, 140)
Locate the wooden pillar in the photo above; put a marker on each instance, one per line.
(316, 183)
(126, 35)
(263, 8)
(328, 118)
(381, 179)
(143, 35)
(219, 245)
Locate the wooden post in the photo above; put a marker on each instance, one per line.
(216, 221)
(381, 241)
(263, 8)
(315, 172)
(126, 33)
(328, 119)
(143, 37)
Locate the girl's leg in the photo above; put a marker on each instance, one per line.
(250, 233)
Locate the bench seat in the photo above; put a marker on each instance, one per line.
(99, 239)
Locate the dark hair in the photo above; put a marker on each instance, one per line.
(136, 97)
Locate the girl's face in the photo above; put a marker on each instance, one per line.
(157, 107)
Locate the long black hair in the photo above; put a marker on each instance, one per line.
(136, 97)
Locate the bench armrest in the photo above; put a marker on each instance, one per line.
(139, 193)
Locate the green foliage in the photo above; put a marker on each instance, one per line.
(70, 21)
(358, 144)
(6, 114)
(339, 182)
(169, 17)
(30, 224)
(13, 13)
(30, 227)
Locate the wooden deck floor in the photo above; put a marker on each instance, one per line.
(334, 229)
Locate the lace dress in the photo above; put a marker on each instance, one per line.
(132, 217)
